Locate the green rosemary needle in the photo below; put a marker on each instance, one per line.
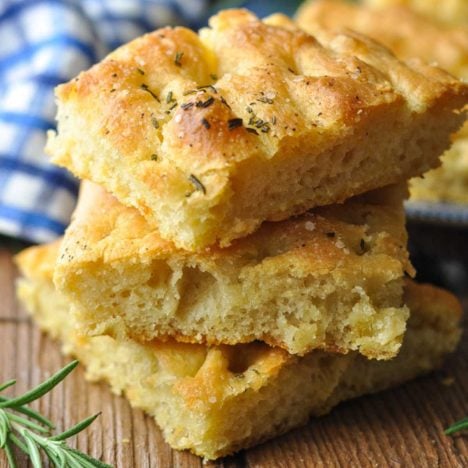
(25, 428)
(458, 426)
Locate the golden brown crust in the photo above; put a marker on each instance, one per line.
(103, 229)
(447, 11)
(282, 106)
(415, 36)
(406, 33)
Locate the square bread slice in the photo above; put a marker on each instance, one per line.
(332, 279)
(209, 135)
(217, 400)
(416, 36)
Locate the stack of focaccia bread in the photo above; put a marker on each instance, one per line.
(237, 260)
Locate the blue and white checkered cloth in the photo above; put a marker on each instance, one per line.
(44, 43)
(47, 42)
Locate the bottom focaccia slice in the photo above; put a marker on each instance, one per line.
(215, 400)
(330, 279)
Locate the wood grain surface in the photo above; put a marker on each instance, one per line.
(397, 428)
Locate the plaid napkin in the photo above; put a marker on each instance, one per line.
(47, 42)
(44, 43)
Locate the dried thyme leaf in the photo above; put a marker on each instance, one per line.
(178, 58)
(144, 87)
(205, 87)
(206, 103)
(197, 184)
(224, 102)
(234, 123)
(205, 123)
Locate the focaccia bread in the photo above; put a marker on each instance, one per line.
(447, 11)
(409, 36)
(332, 279)
(209, 135)
(216, 400)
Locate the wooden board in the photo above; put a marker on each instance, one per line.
(400, 427)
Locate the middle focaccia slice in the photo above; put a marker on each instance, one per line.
(331, 279)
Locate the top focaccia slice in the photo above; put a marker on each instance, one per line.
(209, 135)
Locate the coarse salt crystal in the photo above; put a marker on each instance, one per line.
(309, 225)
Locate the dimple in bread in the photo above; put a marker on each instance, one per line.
(332, 279)
(209, 135)
(220, 399)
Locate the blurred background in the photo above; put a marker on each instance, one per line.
(44, 43)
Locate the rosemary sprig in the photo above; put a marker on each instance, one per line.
(24, 427)
(458, 426)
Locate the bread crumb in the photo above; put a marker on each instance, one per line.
(309, 225)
